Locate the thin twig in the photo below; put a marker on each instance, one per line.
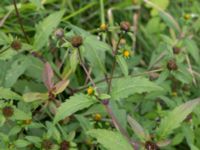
(114, 63)
(20, 21)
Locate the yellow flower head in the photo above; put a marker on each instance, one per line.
(187, 16)
(126, 53)
(174, 94)
(90, 91)
(103, 27)
(97, 117)
(27, 122)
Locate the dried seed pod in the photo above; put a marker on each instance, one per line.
(153, 76)
(7, 111)
(47, 144)
(176, 50)
(59, 33)
(16, 45)
(64, 145)
(125, 26)
(77, 41)
(171, 65)
(149, 145)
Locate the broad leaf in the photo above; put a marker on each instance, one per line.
(45, 28)
(6, 93)
(125, 87)
(60, 86)
(192, 49)
(72, 105)
(110, 140)
(175, 117)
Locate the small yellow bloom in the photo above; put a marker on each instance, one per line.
(174, 94)
(126, 53)
(97, 117)
(90, 91)
(103, 27)
(27, 122)
(187, 16)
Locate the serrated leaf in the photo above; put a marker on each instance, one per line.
(45, 28)
(17, 68)
(125, 87)
(110, 140)
(138, 129)
(72, 105)
(193, 49)
(175, 117)
(122, 64)
(6, 93)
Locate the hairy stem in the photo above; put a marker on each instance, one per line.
(20, 21)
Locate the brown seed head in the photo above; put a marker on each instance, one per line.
(64, 145)
(77, 41)
(47, 144)
(16, 45)
(171, 65)
(176, 50)
(59, 33)
(7, 111)
(125, 26)
(149, 145)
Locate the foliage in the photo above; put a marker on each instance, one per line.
(99, 74)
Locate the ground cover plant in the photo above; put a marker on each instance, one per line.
(99, 75)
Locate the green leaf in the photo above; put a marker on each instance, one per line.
(17, 68)
(122, 64)
(35, 96)
(125, 87)
(110, 140)
(22, 143)
(175, 117)
(21, 115)
(72, 105)
(138, 129)
(45, 28)
(6, 93)
(193, 49)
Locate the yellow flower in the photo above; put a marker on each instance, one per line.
(174, 94)
(187, 16)
(103, 27)
(90, 91)
(126, 53)
(27, 122)
(97, 117)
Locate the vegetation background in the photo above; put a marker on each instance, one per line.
(99, 74)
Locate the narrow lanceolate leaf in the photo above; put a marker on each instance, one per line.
(72, 105)
(35, 96)
(175, 117)
(6, 93)
(125, 87)
(60, 86)
(122, 64)
(45, 28)
(110, 140)
(138, 129)
(48, 76)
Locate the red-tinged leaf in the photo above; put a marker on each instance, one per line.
(47, 76)
(163, 143)
(60, 86)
